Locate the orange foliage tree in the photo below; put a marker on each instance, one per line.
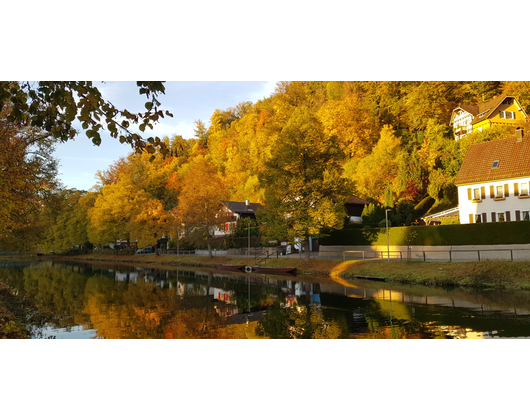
(200, 199)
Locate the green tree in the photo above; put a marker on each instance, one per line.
(53, 106)
(299, 322)
(67, 220)
(372, 214)
(303, 179)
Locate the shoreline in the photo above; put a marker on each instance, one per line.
(501, 275)
(505, 276)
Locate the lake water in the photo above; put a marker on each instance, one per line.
(103, 301)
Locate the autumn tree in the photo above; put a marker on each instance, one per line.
(131, 208)
(28, 173)
(378, 171)
(67, 220)
(349, 121)
(200, 199)
(303, 179)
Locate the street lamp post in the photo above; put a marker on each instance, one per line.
(387, 240)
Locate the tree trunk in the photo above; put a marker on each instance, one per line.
(306, 250)
(209, 247)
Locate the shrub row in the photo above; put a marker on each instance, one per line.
(474, 234)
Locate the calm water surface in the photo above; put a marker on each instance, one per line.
(102, 301)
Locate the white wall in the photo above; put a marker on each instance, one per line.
(488, 205)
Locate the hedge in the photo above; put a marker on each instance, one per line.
(505, 233)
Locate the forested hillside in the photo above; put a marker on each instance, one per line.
(301, 151)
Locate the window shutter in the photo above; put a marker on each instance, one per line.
(471, 218)
(469, 197)
(506, 190)
(507, 216)
(516, 189)
(484, 218)
(517, 215)
(492, 191)
(493, 217)
(482, 193)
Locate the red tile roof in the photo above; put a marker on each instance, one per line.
(513, 157)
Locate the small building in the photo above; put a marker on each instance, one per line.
(233, 212)
(503, 109)
(354, 208)
(493, 182)
(437, 218)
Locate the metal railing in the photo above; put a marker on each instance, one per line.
(452, 254)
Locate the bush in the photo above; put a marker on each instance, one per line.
(505, 233)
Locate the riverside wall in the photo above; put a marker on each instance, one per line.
(516, 252)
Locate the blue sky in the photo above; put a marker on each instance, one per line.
(188, 101)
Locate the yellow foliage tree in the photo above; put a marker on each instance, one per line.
(200, 199)
(378, 171)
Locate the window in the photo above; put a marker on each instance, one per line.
(507, 101)
(510, 115)
(500, 217)
(500, 192)
(525, 215)
(524, 188)
(478, 219)
(476, 194)
(495, 164)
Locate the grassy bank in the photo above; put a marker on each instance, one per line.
(484, 274)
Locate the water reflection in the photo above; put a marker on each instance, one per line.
(85, 301)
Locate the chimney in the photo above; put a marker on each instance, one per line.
(519, 133)
(247, 203)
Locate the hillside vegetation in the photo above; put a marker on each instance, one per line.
(301, 151)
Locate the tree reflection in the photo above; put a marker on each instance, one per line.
(299, 322)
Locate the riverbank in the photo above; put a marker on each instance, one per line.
(506, 275)
(16, 312)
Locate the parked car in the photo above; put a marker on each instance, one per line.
(146, 249)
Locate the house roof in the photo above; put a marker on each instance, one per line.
(454, 211)
(513, 157)
(487, 108)
(241, 207)
(356, 200)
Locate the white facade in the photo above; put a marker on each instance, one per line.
(227, 227)
(462, 123)
(495, 201)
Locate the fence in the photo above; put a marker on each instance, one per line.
(506, 254)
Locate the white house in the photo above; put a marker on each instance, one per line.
(493, 182)
(232, 212)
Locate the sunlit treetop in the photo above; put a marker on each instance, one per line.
(54, 106)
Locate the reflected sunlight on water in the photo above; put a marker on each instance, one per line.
(97, 301)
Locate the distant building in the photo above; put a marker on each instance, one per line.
(503, 109)
(235, 211)
(354, 208)
(437, 218)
